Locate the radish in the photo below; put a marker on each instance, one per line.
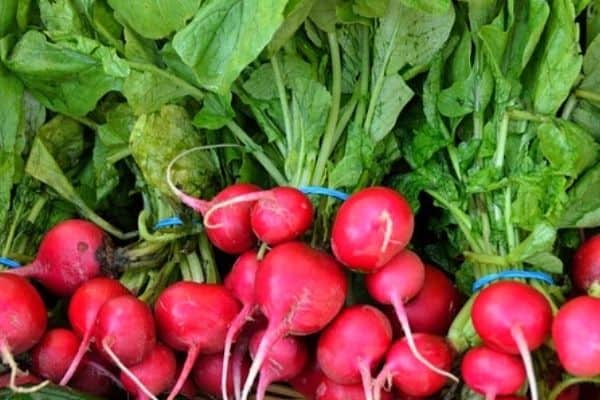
(307, 382)
(94, 376)
(330, 390)
(365, 335)
(515, 318)
(395, 283)
(586, 265)
(576, 336)
(156, 371)
(208, 370)
(285, 359)
(194, 317)
(23, 321)
(433, 309)
(82, 312)
(71, 253)
(125, 333)
(240, 281)
(51, 357)
(408, 373)
(20, 380)
(491, 373)
(570, 393)
(370, 228)
(299, 290)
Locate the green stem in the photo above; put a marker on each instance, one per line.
(501, 146)
(588, 95)
(195, 267)
(287, 122)
(37, 208)
(364, 75)
(558, 389)
(262, 250)
(13, 229)
(510, 231)
(569, 107)
(336, 94)
(85, 121)
(208, 258)
(486, 259)
(119, 155)
(522, 115)
(192, 90)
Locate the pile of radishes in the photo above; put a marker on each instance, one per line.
(282, 313)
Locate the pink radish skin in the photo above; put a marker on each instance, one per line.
(492, 373)
(370, 228)
(285, 359)
(156, 371)
(576, 336)
(71, 253)
(240, 281)
(330, 390)
(585, 269)
(53, 354)
(95, 376)
(207, 373)
(299, 290)
(307, 382)
(20, 380)
(83, 310)
(23, 320)
(396, 283)
(125, 333)
(433, 309)
(365, 334)
(194, 317)
(515, 318)
(408, 374)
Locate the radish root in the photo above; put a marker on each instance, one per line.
(387, 235)
(517, 334)
(233, 330)
(192, 355)
(83, 347)
(271, 336)
(367, 381)
(8, 359)
(380, 383)
(244, 198)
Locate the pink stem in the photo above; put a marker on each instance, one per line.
(232, 332)
(367, 380)
(401, 313)
(239, 352)
(380, 383)
(192, 355)
(30, 270)
(83, 347)
(263, 383)
(517, 334)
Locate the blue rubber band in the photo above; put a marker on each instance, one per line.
(168, 222)
(7, 262)
(512, 274)
(322, 191)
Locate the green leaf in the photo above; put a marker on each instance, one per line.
(370, 8)
(395, 94)
(8, 13)
(295, 13)
(261, 84)
(63, 137)
(463, 96)
(70, 79)
(61, 19)
(215, 113)
(546, 262)
(324, 15)
(583, 207)
(591, 68)
(140, 49)
(540, 240)
(155, 19)
(346, 172)
(225, 36)
(429, 6)
(587, 116)
(146, 92)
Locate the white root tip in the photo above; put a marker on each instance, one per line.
(517, 334)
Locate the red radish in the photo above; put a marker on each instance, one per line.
(125, 332)
(433, 309)
(365, 335)
(20, 380)
(307, 382)
(194, 317)
(586, 265)
(240, 281)
(409, 374)
(576, 336)
(51, 357)
(208, 370)
(515, 318)
(492, 373)
(71, 253)
(156, 371)
(82, 312)
(370, 228)
(330, 390)
(299, 290)
(570, 393)
(285, 359)
(23, 321)
(94, 376)
(189, 389)
(396, 283)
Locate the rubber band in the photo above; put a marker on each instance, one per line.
(10, 263)
(323, 191)
(168, 222)
(512, 274)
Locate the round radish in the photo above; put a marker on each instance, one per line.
(492, 373)
(95, 376)
(156, 372)
(365, 335)
(576, 336)
(125, 333)
(240, 281)
(299, 290)
(71, 253)
(208, 370)
(194, 317)
(409, 374)
(370, 228)
(396, 283)
(83, 310)
(307, 382)
(23, 321)
(433, 309)
(572, 392)
(330, 390)
(285, 359)
(586, 265)
(53, 354)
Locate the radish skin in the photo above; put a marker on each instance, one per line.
(53, 354)
(207, 373)
(156, 372)
(585, 268)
